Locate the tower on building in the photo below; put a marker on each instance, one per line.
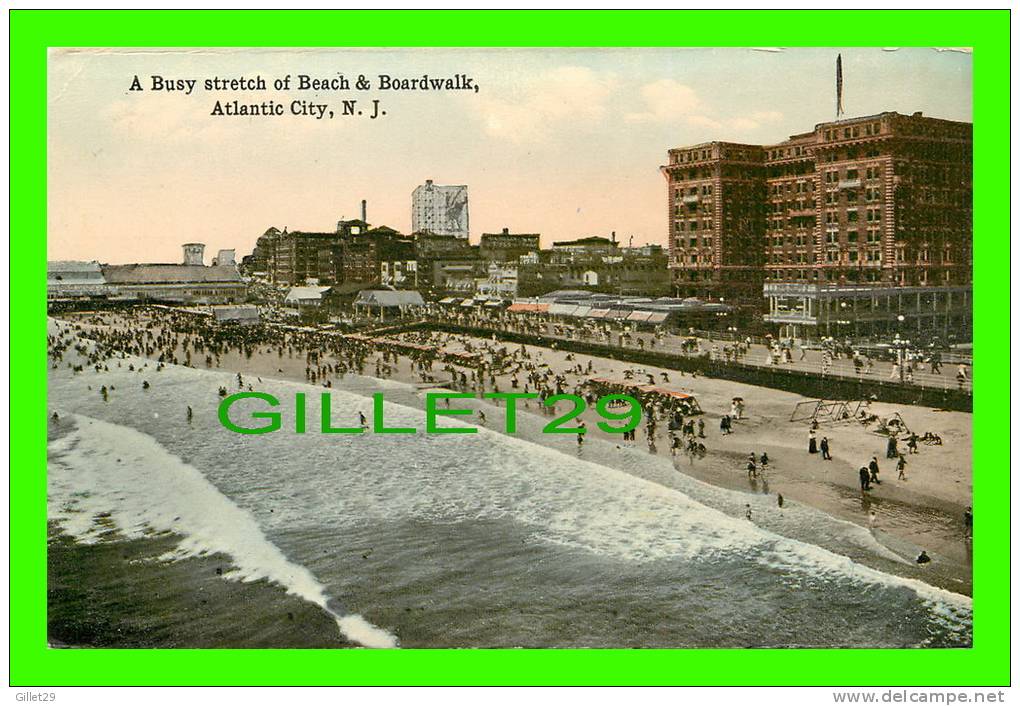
(194, 254)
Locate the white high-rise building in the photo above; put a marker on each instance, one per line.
(442, 210)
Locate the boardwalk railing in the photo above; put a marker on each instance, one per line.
(804, 382)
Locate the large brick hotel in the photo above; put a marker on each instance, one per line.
(840, 231)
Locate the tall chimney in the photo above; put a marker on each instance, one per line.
(194, 254)
(364, 210)
(225, 257)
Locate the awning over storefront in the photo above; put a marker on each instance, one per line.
(521, 307)
(598, 313)
(562, 309)
(638, 315)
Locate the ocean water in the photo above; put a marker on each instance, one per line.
(479, 540)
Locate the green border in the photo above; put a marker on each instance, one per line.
(987, 663)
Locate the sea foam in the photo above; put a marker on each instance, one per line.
(114, 472)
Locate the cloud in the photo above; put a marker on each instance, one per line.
(568, 95)
(666, 100)
(669, 101)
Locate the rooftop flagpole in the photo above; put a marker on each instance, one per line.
(839, 85)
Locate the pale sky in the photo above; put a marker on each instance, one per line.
(563, 142)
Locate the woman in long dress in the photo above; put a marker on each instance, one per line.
(812, 447)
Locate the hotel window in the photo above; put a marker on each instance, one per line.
(851, 216)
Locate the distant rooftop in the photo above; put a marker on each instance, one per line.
(170, 274)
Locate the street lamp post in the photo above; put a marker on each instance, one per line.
(899, 349)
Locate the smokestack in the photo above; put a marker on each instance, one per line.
(194, 254)
(225, 257)
(614, 237)
(364, 210)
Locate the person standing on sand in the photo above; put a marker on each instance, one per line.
(901, 467)
(890, 448)
(968, 522)
(779, 500)
(865, 478)
(825, 449)
(873, 467)
(747, 511)
(812, 447)
(912, 444)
